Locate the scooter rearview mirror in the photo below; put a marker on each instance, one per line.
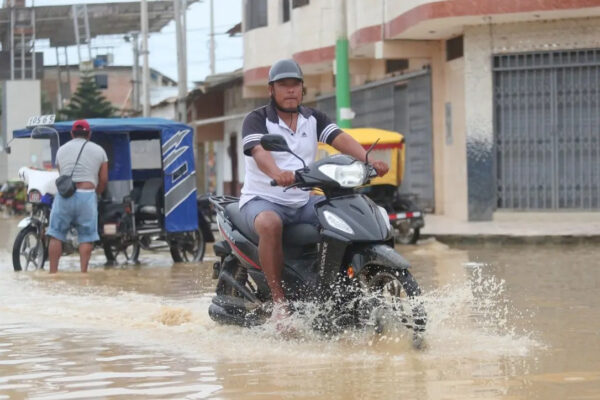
(272, 142)
(368, 151)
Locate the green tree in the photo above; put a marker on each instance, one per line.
(87, 101)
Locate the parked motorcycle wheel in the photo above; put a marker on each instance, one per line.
(407, 235)
(189, 247)
(116, 256)
(29, 252)
(399, 291)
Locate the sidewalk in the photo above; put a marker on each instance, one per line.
(517, 225)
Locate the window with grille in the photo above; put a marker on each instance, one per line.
(285, 10)
(256, 14)
(396, 65)
(299, 3)
(454, 48)
(101, 81)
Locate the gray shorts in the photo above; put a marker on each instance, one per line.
(289, 215)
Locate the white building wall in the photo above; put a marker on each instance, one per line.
(263, 46)
(167, 110)
(21, 100)
(313, 26)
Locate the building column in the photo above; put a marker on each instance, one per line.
(481, 179)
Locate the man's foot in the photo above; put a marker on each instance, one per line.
(280, 317)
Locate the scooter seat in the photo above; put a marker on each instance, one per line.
(151, 210)
(293, 235)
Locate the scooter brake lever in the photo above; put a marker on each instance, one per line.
(293, 185)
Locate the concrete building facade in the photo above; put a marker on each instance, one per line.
(512, 86)
(114, 81)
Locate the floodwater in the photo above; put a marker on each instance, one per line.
(506, 322)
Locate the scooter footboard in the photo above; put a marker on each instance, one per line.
(378, 254)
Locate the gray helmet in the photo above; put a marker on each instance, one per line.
(286, 68)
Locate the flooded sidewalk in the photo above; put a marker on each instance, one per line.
(515, 225)
(506, 321)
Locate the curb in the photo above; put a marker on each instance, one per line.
(500, 239)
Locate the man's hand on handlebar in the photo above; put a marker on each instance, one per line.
(381, 167)
(285, 178)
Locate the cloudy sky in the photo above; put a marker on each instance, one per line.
(162, 45)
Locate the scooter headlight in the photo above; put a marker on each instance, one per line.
(337, 222)
(386, 218)
(346, 175)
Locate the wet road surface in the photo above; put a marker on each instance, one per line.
(506, 322)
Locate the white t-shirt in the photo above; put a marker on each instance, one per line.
(89, 163)
(312, 127)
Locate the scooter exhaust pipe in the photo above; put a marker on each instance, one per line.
(235, 303)
(221, 315)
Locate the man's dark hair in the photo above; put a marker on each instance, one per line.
(80, 133)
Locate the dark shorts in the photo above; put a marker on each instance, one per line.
(289, 215)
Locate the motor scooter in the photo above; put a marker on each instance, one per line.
(349, 263)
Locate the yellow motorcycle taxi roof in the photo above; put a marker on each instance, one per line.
(368, 136)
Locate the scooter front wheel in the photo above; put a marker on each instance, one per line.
(28, 250)
(399, 292)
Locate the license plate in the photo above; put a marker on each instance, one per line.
(110, 229)
(35, 197)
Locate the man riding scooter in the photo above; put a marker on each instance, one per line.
(269, 208)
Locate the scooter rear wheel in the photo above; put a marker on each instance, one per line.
(115, 255)
(407, 235)
(189, 248)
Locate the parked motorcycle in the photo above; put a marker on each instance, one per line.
(349, 264)
(30, 249)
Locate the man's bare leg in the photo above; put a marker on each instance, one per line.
(269, 227)
(85, 252)
(54, 253)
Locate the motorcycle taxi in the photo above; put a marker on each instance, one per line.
(150, 201)
(405, 216)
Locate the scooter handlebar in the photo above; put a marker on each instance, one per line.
(273, 182)
(371, 171)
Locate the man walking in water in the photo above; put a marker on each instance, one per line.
(90, 174)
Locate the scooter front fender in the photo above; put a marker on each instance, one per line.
(378, 254)
(24, 222)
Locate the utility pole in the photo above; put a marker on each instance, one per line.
(135, 78)
(342, 73)
(212, 39)
(180, 37)
(145, 68)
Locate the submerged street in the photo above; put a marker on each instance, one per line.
(505, 322)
